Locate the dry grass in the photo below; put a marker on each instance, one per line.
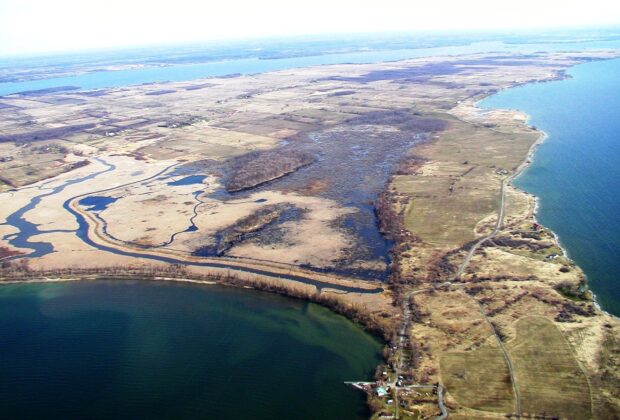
(550, 380)
(204, 141)
(549, 377)
(479, 379)
(456, 189)
(459, 185)
(607, 381)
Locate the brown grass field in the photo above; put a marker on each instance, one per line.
(460, 183)
(479, 379)
(550, 379)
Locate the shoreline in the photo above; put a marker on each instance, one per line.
(74, 286)
(529, 159)
(331, 299)
(206, 79)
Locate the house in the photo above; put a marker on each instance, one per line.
(381, 392)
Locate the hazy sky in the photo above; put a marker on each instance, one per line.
(58, 25)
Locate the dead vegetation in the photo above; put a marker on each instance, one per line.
(479, 379)
(550, 380)
(606, 379)
(435, 211)
(256, 168)
(6, 252)
(404, 119)
(241, 229)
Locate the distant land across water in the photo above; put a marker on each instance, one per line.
(184, 71)
(575, 172)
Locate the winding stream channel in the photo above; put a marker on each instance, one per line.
(26, 230)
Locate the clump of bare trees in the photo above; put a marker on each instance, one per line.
(228, 237)
(6, 252)
(390, 208)
(404, 119)
(255, 168)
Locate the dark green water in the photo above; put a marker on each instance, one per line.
(136, 350)
(576, 171)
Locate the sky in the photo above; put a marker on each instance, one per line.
(40, 26)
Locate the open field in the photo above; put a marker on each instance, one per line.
(479, 379)
(550, 380)
(461, 177)
(548, 376)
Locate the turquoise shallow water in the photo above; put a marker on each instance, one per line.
(143, 350)
(576, 171)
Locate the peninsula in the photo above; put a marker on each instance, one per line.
(379, 190)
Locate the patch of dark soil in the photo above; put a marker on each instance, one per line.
(341, 93)
(200, 86)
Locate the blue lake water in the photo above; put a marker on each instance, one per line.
(188, 180)
(96, 202)
(576, 171)
(140, 350)
(185, 72)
